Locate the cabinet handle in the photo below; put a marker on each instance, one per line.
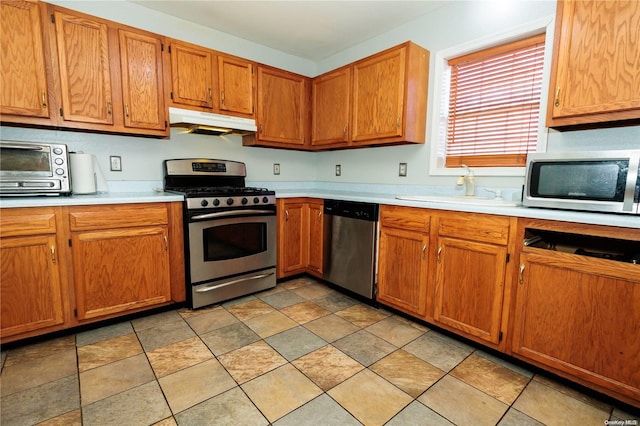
(398, 122)
(261, 130)
(53, 254)
(166, 243)
(346, 129)
(319, 214)
(520, 276)
(222, 97)
(109, 107)
(44, 99)
(439, 251)
(424, 251)
(210, 94)
(126, 110)
(557, 101)
(286, 215)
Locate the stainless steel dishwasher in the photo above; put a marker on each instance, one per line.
(350, 246)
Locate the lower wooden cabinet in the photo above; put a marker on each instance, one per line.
(300, 235)
(316, 236)
(65, 266)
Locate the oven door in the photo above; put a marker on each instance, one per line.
(227, 243)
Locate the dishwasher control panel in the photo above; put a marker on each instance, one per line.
(352, 209)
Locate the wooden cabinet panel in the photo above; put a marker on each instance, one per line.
(120, 269)
(117, 216)
(17, 222)
(25, 89)
(236, 81)
(31, 294)
(85, 70)
(403, 270)
(316, 226)
(191, 75)
(408, 218)
(594, 74)
(142, 80)
(475, 227)
(469, 287)
(580, 315)
(331, 107)
(292, 237)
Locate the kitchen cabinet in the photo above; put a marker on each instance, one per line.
(316, 236)
(236, 80)
(33, 293)
(282, 112)
(576, 314)
(27, 85)
(390, 96)
(403, 267)
(191, 75)
(596, 58)
(331, 108)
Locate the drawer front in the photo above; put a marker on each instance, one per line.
(475, 227)
(117, 216)
(27, 221)
(410, 218)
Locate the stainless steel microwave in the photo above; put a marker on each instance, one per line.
(34, 169)
(597, 181)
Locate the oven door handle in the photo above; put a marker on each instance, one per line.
(231, 213)
(241, 280)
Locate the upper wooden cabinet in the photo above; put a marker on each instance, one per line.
(282, 109)
(596, 61)
(27, 83)
(236, 81)
(331, 108)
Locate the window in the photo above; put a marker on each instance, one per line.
(494, 104)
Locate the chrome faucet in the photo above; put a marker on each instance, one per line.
(468, 180)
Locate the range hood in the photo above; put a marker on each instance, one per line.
(209, 123)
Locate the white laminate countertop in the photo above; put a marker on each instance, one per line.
(91, 199)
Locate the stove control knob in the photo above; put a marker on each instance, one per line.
(256, 200)
(204, 203)
(244, 200)
(265, 200)
(229, 201)
(216, 202)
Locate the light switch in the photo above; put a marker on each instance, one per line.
(402, 170)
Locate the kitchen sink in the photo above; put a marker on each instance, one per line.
(460, 199)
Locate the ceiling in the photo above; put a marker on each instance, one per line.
(313, 30)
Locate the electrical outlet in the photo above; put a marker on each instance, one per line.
(116, 163)
(402, 170)
(276, 168)
(338, 170)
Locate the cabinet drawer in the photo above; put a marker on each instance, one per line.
(475, 227)
(410, 218)
(117, 216)
(16, 222)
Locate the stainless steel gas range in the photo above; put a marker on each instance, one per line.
(230, 229)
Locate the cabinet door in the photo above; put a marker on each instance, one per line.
(235, 77)
(330, 106)
(403, 269)
(378, 96)
(316, 221)
(469, 287)
(281, 107)
(31, 296)
(142, 88)
(24, 79)
(596, 62)
(580, 315)
(85, 75)
(118, 270)
(292, 240)
(191, 75)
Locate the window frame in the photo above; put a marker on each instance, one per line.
(441, 95)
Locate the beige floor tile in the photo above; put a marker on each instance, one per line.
(38, 371)
(187, 313)
(551, 407)
(408, 372)
(229, 338)
(439, 350)
(280, 391)
(250, 309)
(39, 350)
(251, 361)
(331, 327)
(72, 418)
(195, 384)
(462, 404)
(211, 320)
(169, 421)
(232, 408)
(312, 291)
(571, 392)
(295, 283)
(269, 324)
(495, 380)
(361, 315)
(107, 351)
(327, 366)
(157, 320)
(413, 324)
(395, 332)
(304, 312)
(175, 357)
(103, 382)
(370, 398)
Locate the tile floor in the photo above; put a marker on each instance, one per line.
(298, 354)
